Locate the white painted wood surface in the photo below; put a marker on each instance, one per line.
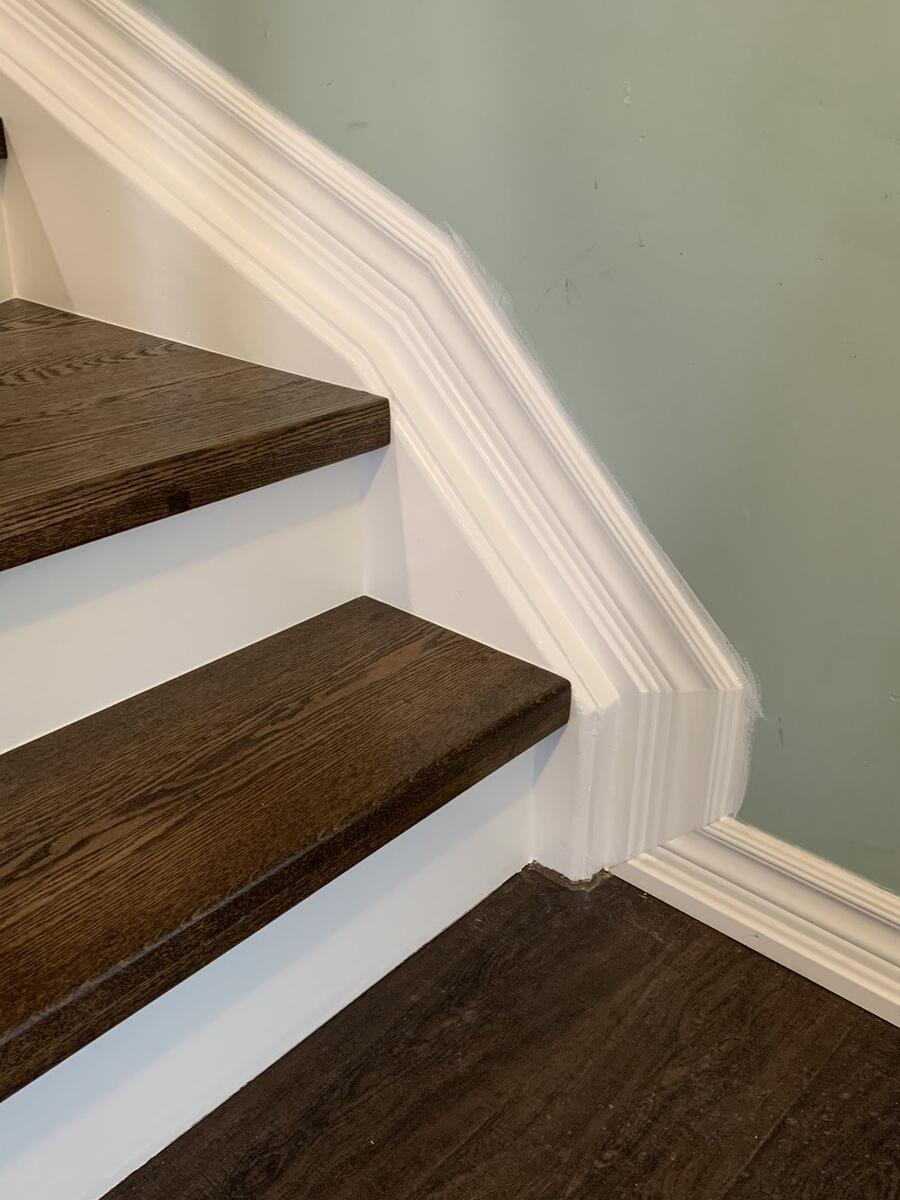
(6, 281)
(81, 630)
(835, 928)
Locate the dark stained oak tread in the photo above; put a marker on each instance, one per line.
(563, 1044)
(141, 842)
(103, 428)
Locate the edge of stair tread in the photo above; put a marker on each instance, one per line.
(98, 445)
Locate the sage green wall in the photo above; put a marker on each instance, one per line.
(695, 210)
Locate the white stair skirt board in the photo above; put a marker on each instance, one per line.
(6, 283)
(92, 1120)
(550, 560)
(823, 922)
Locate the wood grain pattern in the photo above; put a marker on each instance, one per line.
(554, 1044)
(103, 429)
(842, 1137)
(141, 842)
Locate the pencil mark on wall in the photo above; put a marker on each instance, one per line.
(781, 732)
(564, 277)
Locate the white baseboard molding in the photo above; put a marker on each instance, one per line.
(822, 921)
(82, 1127)
(662, 705)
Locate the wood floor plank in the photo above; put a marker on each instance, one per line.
(103, 428)
(551, 1044)
(842, 1138)
(141, 842)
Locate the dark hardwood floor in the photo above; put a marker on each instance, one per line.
(103, 428)
(564, 1045)
(141, 842)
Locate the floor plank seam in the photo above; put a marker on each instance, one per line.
(791, 1108)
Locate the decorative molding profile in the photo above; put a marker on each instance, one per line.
(822, 921)
(663, 706)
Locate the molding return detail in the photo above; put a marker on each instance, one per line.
(836, 928)
(663, 707)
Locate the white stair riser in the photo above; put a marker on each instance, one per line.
(84, 629)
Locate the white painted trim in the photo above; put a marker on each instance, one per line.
(662, 704)
(822, 921)
(6, 277)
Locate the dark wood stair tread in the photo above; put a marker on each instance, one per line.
(103, 428)
(141, 842)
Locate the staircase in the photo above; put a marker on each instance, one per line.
(145, 840)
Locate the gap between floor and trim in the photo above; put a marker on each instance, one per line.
(572, 885)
